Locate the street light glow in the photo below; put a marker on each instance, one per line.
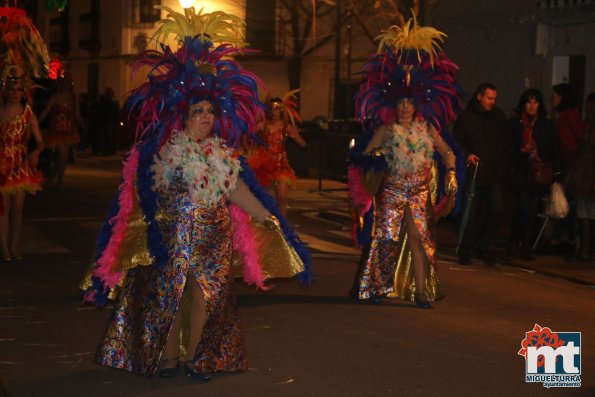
(186, 3)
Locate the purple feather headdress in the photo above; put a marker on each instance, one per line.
(409, 64)
(197, 71)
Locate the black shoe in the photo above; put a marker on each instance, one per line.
(486, 257)
(465, 258)
(192, 374)
(170, 372)
(421, 301)
(526, 255)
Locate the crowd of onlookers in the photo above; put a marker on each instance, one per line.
(521, 158)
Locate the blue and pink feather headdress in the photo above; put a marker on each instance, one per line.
(409, 63)
(198, 70)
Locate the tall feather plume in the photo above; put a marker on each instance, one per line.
(289, 102)
(218, 26)
(412, 37)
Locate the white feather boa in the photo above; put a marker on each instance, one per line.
(208, 167)
(409, 150)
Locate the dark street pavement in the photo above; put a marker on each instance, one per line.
(301, 342)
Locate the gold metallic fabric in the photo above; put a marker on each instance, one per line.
(278, 259)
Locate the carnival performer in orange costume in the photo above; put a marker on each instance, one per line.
(63, 112)
(270, 163)
(17, 167)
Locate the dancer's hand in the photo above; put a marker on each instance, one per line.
(451, 183)
(472, 160)
(271, 222)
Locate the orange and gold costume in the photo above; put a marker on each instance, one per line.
(62, 130)
(16, 173)
(270, 163)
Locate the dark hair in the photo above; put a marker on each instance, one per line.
(526, 96)
(481, 89)
(567, 97)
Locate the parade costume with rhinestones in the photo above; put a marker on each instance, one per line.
(173, 221)
(16, 174)
(61, 131)
(270, 161)
(401, 173)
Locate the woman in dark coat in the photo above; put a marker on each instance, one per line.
(533, 139)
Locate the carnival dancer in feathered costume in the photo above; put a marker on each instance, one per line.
(18, 173)
(185, 204)
(269, 161)
(407, 95)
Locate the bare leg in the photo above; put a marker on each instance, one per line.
(172, 346)
(4, 226)
(418, 256)
(197, 321)
(62, 158)
(16, 223)
(198, 317)
(281, 190)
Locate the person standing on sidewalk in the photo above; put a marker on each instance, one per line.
(570, 130)
(408, 92)
(534, 140)
(482, 132)
(581, 184)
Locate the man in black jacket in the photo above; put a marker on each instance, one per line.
(481, 130)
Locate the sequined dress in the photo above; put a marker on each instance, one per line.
(16, 173)
(199, 241)
(61, 131)
(271, 163)
(383, 270)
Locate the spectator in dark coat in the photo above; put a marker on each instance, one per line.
(533, 139)
(482, 132)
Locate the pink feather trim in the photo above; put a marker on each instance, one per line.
(104, 270)
(362, 200)
(245, 244)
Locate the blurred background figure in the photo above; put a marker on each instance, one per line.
(270, 163)
(569, 130)
(581, 184)
(533, 140)
(109, 125)
(62, 111)
(18, 173)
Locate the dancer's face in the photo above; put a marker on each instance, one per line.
(276, 112)
(201, 118)
(405, 111)
(15, 93)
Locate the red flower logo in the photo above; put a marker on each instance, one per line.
(540, 337)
